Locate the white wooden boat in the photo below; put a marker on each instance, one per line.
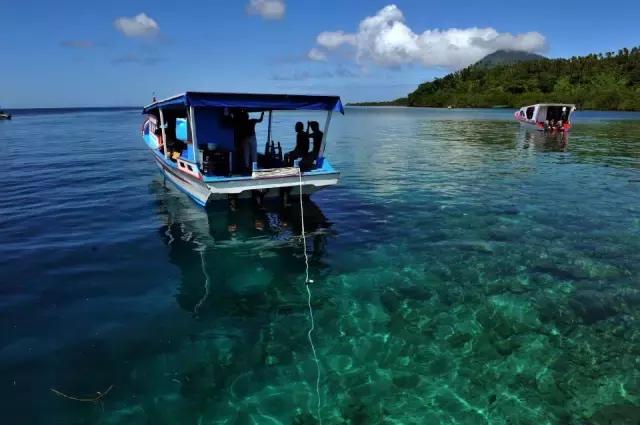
(199, 122)
(547, 116)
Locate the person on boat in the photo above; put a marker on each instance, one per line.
(175, 146)
(302, 145)
(316, 137)
(158, 134)
(249, 141)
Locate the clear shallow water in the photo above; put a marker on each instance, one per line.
(466, 272)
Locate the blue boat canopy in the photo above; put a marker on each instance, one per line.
(250, 102)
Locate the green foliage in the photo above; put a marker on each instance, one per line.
(597, 81)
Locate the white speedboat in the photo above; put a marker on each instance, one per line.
(204, 164)
(547, 116)
(4, 115)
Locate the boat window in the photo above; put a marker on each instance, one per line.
(558, 112)
(530, 110)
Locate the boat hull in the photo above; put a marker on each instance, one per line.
(204, 192)
(539, 127)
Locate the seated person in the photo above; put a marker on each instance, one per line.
(158, 134)
(302, 145)
(316, 136)
(174, 145)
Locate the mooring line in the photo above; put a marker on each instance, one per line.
(307, 281)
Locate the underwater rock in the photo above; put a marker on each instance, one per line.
(507, 346)
(458, 339)
(554, 311)
(618, 414)
(419, 293)
(340, 363)
(503, 234)
(406, 380)
(546, 385)
(356, 412)
(440, 365)
(391, 301)
(591, 307)
(198, 386)
(304, 419)
(561, 272)
(631, 297)
(508, 315)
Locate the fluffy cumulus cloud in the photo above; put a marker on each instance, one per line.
(140, 25)
(386, 40)
(268, 9)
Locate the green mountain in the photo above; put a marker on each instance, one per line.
(507, 57)
(597, 81)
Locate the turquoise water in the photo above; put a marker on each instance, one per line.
(465, 271)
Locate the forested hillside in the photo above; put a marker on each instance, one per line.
(597, 81)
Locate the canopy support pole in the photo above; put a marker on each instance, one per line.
(164, 136)
(269, 129)
(194, 139)
(324, 136)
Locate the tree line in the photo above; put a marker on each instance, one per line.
(608, 81)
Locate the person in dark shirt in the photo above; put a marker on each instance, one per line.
(246, 128)
(316, 136)
(302, 145)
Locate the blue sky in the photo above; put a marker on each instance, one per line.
(80, 53)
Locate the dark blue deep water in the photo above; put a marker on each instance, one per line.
(466, 271)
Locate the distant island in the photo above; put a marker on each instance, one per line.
(512, 79)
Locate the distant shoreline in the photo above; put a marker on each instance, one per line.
(509, 108)
(79, 108)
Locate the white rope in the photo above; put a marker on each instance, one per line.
(207, 283)
(307, 281)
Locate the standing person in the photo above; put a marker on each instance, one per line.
(249, 143)
(238, 138)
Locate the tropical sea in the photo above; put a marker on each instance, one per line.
(465, 271)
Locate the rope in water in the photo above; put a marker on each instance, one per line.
(207, 283)
(307, 281)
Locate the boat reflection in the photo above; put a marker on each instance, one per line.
(543, 141)
(244, 261)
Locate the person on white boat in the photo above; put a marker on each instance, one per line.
(302, 145)
(249, 142)
(316, 137)
(158, 134)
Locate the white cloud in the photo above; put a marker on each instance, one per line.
(386, 40)
(137, 26)
(268, 9)
(317, 55)
(333, 39)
